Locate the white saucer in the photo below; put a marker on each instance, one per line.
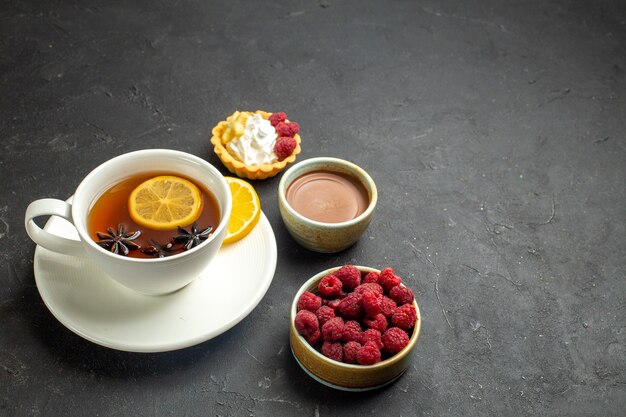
(99, 309)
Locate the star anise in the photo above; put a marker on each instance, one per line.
(192, 238)
(118, 242)
(158, 250)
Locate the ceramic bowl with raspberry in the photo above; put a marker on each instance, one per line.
(354, 328)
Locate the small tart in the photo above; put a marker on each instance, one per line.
(237, 167)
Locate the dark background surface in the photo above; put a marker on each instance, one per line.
(494, 131)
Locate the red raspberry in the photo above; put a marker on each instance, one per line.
(284, 129)
(351, 306)
(333, 350)
(388, 279)
(368, 355)
(315, 338)
(309, 301)
(306, 323)
(401, 294)
(295, 127)
(372, 335)
(351, 331)
(330, 286)
(332, 330)
(276, 118)
(404, 317)
(350, 350)
(388, 306)
(394, 340)
(371, 303)
(378, 322)
(349, 276)
(324, 313)
(371, 277)
(372, 343)
(284, 146)
(372, 286)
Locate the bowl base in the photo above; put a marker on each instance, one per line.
(340, 387)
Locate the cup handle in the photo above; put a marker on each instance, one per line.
(55, 243)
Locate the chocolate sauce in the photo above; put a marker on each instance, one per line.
(327, 197)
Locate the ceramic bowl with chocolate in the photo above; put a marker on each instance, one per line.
(353, 328)
(326, 203)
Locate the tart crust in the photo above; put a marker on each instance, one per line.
(252, 172)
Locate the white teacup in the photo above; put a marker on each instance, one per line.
(150, 276)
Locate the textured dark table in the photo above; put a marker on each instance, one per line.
(495, 133)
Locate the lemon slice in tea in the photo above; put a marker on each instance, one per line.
(165, 202)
